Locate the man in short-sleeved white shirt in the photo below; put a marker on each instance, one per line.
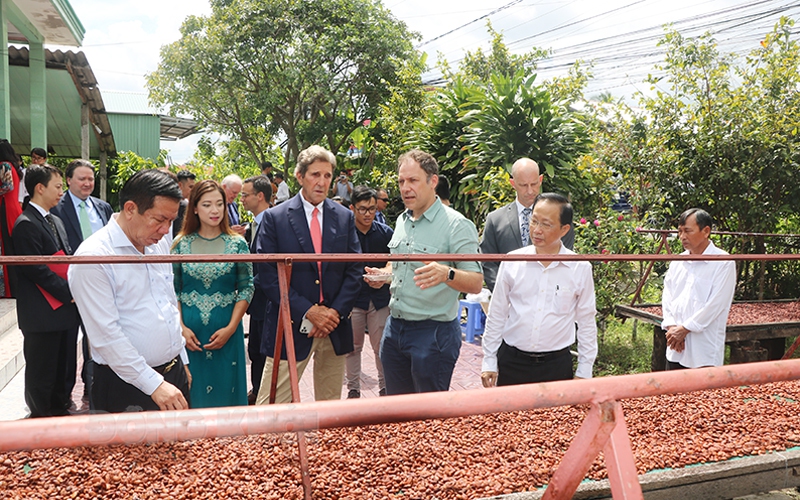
(697, 298)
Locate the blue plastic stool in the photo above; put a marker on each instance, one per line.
(476, 319)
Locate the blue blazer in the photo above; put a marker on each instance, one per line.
(284, 229)
(65, 211)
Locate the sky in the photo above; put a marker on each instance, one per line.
(123, 37)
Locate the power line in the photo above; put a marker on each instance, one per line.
(510, 4)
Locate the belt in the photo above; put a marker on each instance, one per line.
(166, 367)
(540, 357)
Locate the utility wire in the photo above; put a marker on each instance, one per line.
(510, 4)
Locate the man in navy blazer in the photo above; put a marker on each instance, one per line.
(321, 295)
(80, 181)
(83, 215)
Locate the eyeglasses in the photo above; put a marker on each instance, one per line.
(545, 226)
(366, 210)
(385, 200)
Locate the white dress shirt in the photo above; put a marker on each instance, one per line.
(283, 192)
(94, 218)
(308, 208)
(535, 308)
(130, 311)
(697, 295)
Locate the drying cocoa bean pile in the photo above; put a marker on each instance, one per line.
(753, 313)
(461, 458)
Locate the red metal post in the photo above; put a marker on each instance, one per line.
(620, 464)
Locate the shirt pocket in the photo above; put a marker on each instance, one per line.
(562, 300)
(701, 290)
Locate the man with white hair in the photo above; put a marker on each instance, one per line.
(232, 185)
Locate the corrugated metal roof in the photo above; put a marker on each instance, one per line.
(128, 103)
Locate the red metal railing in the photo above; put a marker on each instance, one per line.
(603, 430)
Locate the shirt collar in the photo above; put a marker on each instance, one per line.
(38, 208)
(431, 212)
(77, 201)
(258, 217)
(561, 251)
(308, 207)
(120, 240)
(520, 206)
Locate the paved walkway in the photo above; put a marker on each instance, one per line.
(467, 375)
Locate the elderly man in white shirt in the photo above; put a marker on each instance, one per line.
(697, 298)
(535, 306)
(130, 311)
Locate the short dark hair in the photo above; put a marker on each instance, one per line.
(75, 164)
(443, 188)
(185, 175)
(39, 174)
(39, 152)
(261, 184)
(702, 218)
(143, 187)
(265, 165)
(362, 193)
(279, 175)
(425, 160)
(565, 215)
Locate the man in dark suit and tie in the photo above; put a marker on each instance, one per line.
(507, 228)
(232, 185)
(256, 193)
(49, 328)
(321, 294)
(82, 215)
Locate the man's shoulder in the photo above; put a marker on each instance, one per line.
(99, 243)
(497, 212)
(100, 203)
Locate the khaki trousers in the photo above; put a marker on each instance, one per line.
(328, 375)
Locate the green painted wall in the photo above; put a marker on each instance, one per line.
(137, 133)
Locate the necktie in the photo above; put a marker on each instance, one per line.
(49, 219)
(83, 215)
(316, 240)
(233, 214)
(253, 231)
(525, 227)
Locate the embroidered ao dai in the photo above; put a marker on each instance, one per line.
(207, 293)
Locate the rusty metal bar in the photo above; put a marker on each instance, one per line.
(585, 447)
(620, 463)
(722, 233)
(284, 331)
(150, 427)
(406, 257)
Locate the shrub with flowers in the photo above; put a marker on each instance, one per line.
(615, 282)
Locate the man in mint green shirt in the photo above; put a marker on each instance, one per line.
(422, 337)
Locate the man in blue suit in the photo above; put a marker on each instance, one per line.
(83, 215)
(321, 294)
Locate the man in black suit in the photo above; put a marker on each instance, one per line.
(256, 193)
(82, 215)
(48, 326)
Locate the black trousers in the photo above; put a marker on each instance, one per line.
(518, 367)
(675, 366)
(46, 371)
(111, 394)
(257, 360)
(72, 363)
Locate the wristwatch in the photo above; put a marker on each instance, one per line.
(451, 274)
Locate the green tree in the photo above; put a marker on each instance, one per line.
(311, 70)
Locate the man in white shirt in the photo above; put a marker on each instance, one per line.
(283, 193)
(506, 228)
(535, 306)
(130, 311)
(697, 298)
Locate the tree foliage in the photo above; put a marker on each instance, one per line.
(311, 70)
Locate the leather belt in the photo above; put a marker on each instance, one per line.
(166, 367)
(540, 357)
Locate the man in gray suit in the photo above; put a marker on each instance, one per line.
(507, 228)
